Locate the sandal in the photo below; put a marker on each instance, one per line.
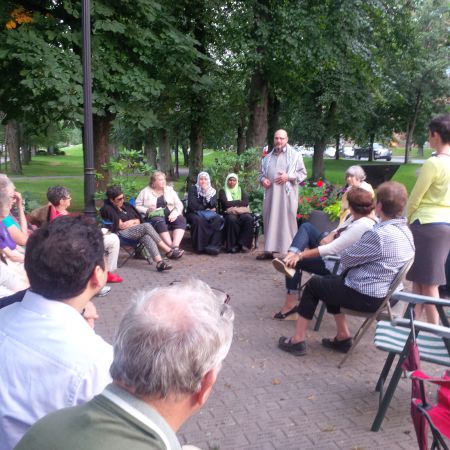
(175, 253)
(162, 265)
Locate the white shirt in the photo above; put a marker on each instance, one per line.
(50, 358)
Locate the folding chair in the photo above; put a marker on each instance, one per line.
(131, 247)
(424, 414)
(383, 312)
(396, 338)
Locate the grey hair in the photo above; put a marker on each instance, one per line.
(57, 193)
(357, 172)
(170, 338)
(6, 186)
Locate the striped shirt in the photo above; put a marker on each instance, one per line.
(372, 262)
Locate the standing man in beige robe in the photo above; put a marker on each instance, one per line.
(281, 172)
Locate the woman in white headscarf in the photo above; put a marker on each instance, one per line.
(206, 224)
(238, 220)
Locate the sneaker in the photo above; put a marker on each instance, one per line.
(340, 346)
(103, 292)
(298, 349)
(281, 266)
(114, 278)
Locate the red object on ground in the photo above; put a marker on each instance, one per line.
(114, 278)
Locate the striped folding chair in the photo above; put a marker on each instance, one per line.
(396, 337)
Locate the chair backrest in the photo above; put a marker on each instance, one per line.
(391, 337)
(396, 282)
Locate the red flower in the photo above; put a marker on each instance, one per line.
(320, 183)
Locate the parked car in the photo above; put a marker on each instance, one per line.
(304, 150)
(330, 152)
(379, 152)
(347, 151)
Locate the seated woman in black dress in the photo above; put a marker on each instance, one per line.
(206, 224)
(238, 224)
(127, 223)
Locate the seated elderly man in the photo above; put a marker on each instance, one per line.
(50, 357)
(369, 265)
(167, 355)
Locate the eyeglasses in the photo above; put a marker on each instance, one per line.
(221, 295)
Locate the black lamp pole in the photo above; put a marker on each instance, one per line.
(88, 134)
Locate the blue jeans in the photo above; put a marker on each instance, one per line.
(307, 236)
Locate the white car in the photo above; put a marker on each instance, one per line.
(330, 152)
(348, 151)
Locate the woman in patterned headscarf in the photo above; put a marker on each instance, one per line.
(206, 224)
(238, 220)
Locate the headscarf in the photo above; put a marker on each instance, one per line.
(210, 192)
(232, 193)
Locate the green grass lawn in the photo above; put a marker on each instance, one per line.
(400, 151)
(71, 165)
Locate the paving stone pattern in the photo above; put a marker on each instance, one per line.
(264, 398)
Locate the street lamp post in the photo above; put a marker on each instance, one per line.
(88, 134)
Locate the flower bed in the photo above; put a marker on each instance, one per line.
(316, 195)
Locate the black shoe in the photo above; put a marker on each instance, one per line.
(281, 316)
(340, 346)
(298, 349)
(214, 251)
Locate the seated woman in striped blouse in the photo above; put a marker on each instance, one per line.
(307, 254)
(370, 265)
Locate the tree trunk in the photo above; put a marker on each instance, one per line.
(241, 136)
(185, 150)
(412, 125)
(273, 115)
(318, 163)
(26, 154)
(150, 149)
(258, 105)
(420, 149)
(113, 150)
(165, 157)
(372, 138)
(196, 155)
(12, 146)
(102, 127)
(338, 141)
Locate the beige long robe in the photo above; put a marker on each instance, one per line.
(281, 201)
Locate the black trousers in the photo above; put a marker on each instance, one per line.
(238, 230)
(334, 293)
(205, 233)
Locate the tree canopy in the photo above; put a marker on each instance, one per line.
(227, 74)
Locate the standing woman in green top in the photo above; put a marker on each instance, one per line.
(428, 213)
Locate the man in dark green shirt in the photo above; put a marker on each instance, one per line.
(167, 354)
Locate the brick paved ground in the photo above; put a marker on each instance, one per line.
(264, 398)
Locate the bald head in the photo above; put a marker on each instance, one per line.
(280, 139)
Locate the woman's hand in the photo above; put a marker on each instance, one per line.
(172, 216)
(328, 238)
